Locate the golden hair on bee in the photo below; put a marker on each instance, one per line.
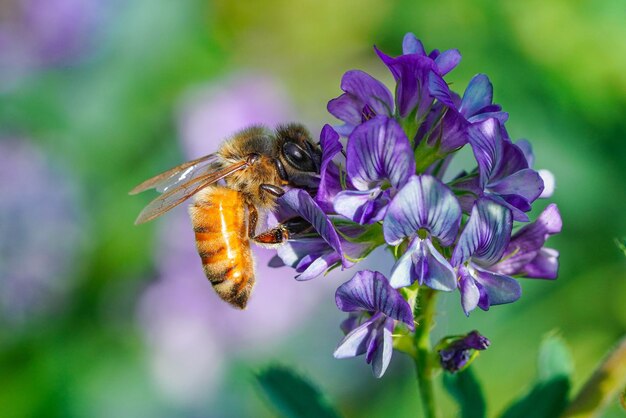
(253, 166)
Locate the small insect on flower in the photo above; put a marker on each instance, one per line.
(251, 167)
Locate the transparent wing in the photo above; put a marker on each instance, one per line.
(177, 195)
(180, 174)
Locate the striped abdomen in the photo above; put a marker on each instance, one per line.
(218, 215)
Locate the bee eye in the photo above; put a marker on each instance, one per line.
(297, 157)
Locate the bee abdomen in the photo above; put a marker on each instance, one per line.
(218, 216)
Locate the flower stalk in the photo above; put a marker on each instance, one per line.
(424, 358)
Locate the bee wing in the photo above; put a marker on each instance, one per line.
(171, 178)
(176, 196)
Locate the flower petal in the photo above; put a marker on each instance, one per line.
(362, 207)
(511, 161)
(353, 320)
(347, 108)
(318, 266)
(439, 89)
(384, 349)
(432, 268)
(486, 234)
(470, 294)
(304, 205)
(330, 184)
(412, 45)
(451, 133)
(402, 272)
(411, 73)
(424, 202)
(478, 95)
(378, 150)
(544, 266)
(486, 141)
(549, 183)
(370, 291)
(355, 343)
(293, 251)
(447, 60)
(526, 147)
(500, 289)
(526, 244)
(369, 91)
(526, 183)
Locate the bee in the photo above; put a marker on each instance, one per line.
(229, 188)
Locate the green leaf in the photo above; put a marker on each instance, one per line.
(600, 389)
(621, 244)
(466, 390)
(548, 397)
(293, 395)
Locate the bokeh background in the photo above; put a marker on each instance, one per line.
(99, 318)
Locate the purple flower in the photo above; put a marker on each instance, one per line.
(369, 293)
(549, 182)
(364, 98)
(419, 76)
(330, 182)
(312, 256)
(426, 212)
(446, 126)
(378, 155)
(526, 256)
(42, 226)
(503, 172)
(482, 244)
(477, 103)
(36, 34)
(456, 353)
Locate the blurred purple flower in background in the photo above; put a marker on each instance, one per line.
(192, 333)
(37, 34)
(40, 228)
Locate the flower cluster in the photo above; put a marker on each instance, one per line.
(389, 186)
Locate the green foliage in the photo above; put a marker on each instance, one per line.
(466, 390)
(547, 398)
(621, 244)
(293, 395)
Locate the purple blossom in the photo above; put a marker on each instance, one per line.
(370, 294)
(36, 34)
(426, 212)
(456, 353)
(330, 182)
(378, 155)
(311, 256)
(481, 244)
(446, 127)
(363, 97)
(526, 256)
(42, 229)
(419, 76)
(503, 172)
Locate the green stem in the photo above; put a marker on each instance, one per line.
(423, 358)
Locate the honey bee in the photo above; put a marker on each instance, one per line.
(251, 167)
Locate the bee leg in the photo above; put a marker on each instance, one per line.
(271, 189)
(282, 232)
(253, 217)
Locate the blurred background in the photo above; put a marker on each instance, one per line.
(99, 318)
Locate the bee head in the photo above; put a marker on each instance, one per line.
(298, 155)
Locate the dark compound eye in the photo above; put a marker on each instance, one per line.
(297, 157)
